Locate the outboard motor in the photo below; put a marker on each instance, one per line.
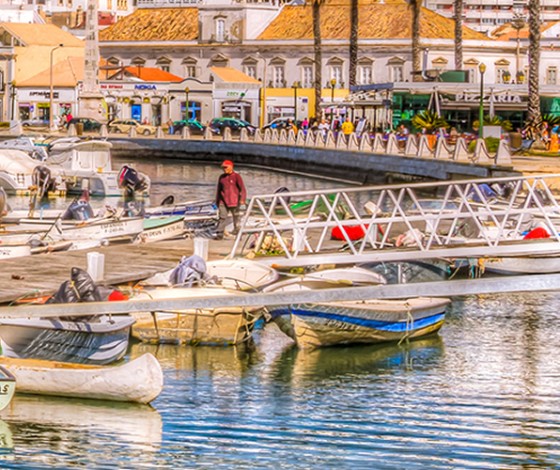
(78, 210)
(132, 181)
(42, 179)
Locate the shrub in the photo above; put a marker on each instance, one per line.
(492, 144)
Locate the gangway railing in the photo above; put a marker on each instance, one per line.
(510, 216)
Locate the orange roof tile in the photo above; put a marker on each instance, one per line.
(155, 24)
(33, 34)
(66, 73)
(231, 75)
(389, 20)
(150, 74)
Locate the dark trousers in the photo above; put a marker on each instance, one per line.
(223, 212)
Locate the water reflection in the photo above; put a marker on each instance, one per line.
(63, 426)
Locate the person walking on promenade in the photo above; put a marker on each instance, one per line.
(323, 128)
(347, 128)
(170, 128)
(230, 195)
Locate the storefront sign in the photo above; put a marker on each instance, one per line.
(43, 94)
(495, 97)
(143, 86)
(27, 95)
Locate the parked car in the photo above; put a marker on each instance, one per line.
(124, 125)
(35, 122)
(194, 126)
(217, 125)
(88, 123)
(280, 123)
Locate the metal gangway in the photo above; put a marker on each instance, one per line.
(450, 220)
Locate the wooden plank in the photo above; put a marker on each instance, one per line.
(44, 273)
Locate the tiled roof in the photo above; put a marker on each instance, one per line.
(151, 74)
(230, 75)
(66, 73)
(33, 34)
(389, 20)
(155, 24)
(507, 32)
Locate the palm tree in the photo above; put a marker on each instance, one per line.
(415, 6)
(534, 56)
(458, 34)
(318, 54)
(353, 42)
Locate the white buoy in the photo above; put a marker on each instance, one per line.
(201, 247)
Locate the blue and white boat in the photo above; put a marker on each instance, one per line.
(313, 325)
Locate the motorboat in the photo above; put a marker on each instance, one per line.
(318, 324)
(87, 164)
(161, 228)
(211, 326)
(101, 340)
(16, 171)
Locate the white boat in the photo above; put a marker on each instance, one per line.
(7, 387)
(26, 144)
(16, 171)
(15, 250)
(140, 380)
(202, 207)
(239, 274)
(161, 228)
(101, 340)
(218, 326)
(98, 228)
(84, 164)
(513, 265)
(320, 324)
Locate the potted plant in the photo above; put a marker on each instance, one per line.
(430, 123)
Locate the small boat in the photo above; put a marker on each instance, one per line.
(319, 324)
(14, 250)
(99, 341)
(515, 265)
(161, 228)
(77, 161)
(139, 381)
(202, 207)
(219, 326)
(7, 387)
(16, 171)
(109, 228)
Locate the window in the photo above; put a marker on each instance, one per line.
(278, 76)
(189, 67)
(251, 70)
(336, 73)
(551, 75)
(307, 76)
(163, 63)
(364, 74)
(220, 30)
(138, 62)
(397, 73)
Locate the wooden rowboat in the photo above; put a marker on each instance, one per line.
(139, 381)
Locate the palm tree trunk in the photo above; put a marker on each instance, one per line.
(354, 12)
(534, 106)
(458, 34)
(416, 6)
(318, 55)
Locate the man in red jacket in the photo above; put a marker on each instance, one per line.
(230, 195)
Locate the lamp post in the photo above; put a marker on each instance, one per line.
(506, 76)
(333, 85)
(187, 103)
(51, 113)
(518, 23)
(295, 86)
(481, 69)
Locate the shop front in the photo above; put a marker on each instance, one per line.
(35, 103)
(240, 101)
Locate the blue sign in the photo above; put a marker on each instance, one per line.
(141, 86)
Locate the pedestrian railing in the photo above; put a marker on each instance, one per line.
(513, 216)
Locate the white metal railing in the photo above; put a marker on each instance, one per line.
(399, 222)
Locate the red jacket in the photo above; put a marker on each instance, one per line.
(231, 190)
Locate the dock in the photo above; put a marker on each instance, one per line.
(124, 263)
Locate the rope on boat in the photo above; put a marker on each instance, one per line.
(409, 323)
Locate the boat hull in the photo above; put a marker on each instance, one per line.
(161, 228)
(219, 326)
(372, 321)
(78, 342)
(139, 381)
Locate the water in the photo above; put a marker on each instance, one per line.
(481, 394)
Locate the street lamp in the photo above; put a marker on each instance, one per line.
(481, 69)
(520, 76)
(295, 86)
(506, 76)
(187, 103)
(51, 114)
(518, 23)
(333, 85)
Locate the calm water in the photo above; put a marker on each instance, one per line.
(481, 394)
